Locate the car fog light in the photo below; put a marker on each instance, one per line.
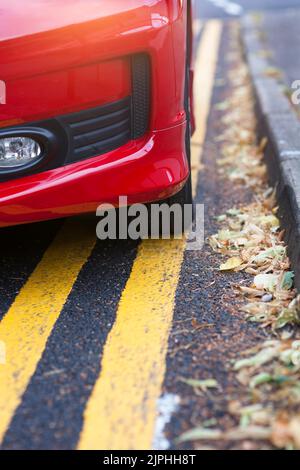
(18, 151)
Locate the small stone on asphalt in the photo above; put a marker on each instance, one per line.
(267, 297)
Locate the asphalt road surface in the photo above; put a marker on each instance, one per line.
(98, 335)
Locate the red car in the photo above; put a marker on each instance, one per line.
(94, 104)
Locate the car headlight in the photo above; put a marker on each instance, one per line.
(18, 151)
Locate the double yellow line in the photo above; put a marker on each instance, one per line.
(25, 328)
(121, 411)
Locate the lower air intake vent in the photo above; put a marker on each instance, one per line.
(98, 130)
(140, 95)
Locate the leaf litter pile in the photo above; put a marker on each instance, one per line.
(250, 240)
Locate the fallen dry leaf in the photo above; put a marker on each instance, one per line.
(286, 432)
(269, 373)
(231, 264)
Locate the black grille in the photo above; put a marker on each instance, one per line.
(140, 95)
(99, 130)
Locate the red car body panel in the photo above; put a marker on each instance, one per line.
(62, 57)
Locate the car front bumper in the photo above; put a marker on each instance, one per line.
(149, 169)
(72, 69)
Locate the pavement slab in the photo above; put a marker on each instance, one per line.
(282, 37)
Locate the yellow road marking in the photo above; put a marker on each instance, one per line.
(197, 27)
(28, 323)
(121, 411)
(205, 66)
